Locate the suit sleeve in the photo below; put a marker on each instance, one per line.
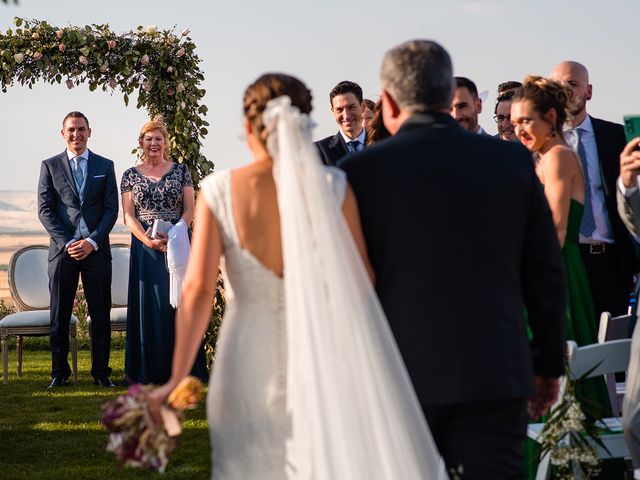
(629, 211)
(110, 208)
(544, 286)
(47, 212)
(323, 155)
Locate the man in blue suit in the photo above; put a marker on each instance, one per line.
(78, 206)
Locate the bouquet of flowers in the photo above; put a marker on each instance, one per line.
(134, 438)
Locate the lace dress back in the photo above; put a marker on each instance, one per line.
(247, 390)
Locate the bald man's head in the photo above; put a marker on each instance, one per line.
(575, 76)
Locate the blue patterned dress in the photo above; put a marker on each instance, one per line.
(150, 317)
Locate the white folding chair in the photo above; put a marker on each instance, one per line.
(119, 287)
(29, 287)
(603, 358)
(614, 328)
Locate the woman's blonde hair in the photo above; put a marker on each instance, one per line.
(545, 94)
(150, 126)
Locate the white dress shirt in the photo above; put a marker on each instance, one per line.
(603, 231)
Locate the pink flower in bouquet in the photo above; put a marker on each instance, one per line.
(171, 91)
(62, 47)
(181, 52)
(111, 44)
(83, 60)
(113, 83)
(69, 84)
(169, 69)
(104, 68)
(37, 56)
(59, 33)
(144, 60)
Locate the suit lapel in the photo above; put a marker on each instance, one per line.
(91, 171)
(339, 146)
(66, 171)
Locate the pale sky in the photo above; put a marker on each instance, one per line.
(322, 43)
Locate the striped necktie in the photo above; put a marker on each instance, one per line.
(588, 223)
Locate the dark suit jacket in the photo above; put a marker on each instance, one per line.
(60, 208)
(333, 148)
(461, 239)
(610, 141)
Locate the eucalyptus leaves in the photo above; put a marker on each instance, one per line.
(160, 65)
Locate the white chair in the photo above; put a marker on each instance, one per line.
(29, 287)
(119, 287)
(614, 328)
(608, 357)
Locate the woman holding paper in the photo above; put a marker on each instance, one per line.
(156, 191)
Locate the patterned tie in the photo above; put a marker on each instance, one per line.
(588, 223)
(355, 146)
(77, 171)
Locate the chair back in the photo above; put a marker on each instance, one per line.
(119, 274)
(600, 358)
(613, 328)
(28, 278)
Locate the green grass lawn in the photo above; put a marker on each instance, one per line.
(57, 434)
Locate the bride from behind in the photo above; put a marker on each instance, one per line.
(308, 382)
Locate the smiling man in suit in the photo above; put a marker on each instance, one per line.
(78, 206)
(347, 108)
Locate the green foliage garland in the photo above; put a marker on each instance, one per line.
(161, 66)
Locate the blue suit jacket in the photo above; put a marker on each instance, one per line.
(60, 207)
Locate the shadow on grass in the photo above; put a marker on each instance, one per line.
(57, 435)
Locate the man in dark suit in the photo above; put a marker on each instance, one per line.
(78, 206)
(347, 108)
(606, 247)
(462, 243)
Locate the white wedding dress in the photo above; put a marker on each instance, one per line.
(246, 404)
(308, 382)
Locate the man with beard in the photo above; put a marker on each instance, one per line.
(466, 105)
(606, 248)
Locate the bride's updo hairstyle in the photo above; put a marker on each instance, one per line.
(545, 94)
(270, 86)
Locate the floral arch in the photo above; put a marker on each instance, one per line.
(160, 65)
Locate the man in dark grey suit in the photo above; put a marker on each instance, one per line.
(78, 206)
(462, 243)
(347, 108)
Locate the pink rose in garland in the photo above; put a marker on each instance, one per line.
(111, 44)
(62, 47)
(144, 60)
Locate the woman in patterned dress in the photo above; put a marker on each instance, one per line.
(158, 188)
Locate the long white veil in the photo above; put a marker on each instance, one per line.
(353, 410)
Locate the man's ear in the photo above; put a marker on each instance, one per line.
(589, 91)
(479, 105)
(389, 104)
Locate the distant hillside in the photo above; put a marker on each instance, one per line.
(19, 214)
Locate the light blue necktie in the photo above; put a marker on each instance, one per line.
(77, 172)
(355, 145)
(588, 223)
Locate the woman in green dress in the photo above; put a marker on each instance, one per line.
(538, 113)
